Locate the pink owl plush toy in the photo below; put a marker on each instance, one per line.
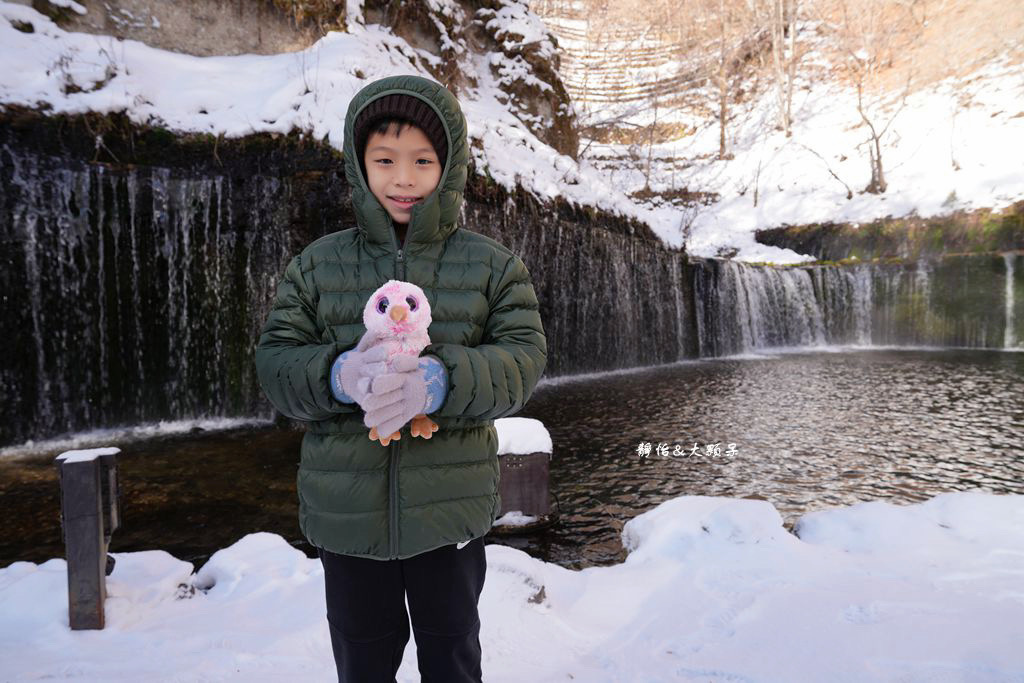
(397, 316)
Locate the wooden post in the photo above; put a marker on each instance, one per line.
(524, 483)
(90, 512)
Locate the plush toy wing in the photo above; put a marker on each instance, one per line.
(369, 340)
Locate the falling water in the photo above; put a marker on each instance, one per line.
(1009, 338)
(139, 298)
(927, 302)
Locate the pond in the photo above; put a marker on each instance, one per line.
(803, 429)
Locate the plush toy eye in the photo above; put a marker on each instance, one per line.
(411, 300)
(382, 304)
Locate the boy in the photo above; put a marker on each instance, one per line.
(405, 520)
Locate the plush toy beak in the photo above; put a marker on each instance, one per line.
(398, 313)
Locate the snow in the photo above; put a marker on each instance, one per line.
(69, 4)
(517, 27)
(944, 152)
(131, 433)
(522, 435)
(712, 589)
(308, 90)
(515, 518)
(87, 454)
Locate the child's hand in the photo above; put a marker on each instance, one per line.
(387, 412)
(362, 371)
(355, 370)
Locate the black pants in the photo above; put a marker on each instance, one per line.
(369, 624)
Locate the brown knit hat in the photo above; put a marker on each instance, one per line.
(403, 108)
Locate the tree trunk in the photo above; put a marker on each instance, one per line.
(723, 83)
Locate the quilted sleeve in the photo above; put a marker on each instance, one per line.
(496, 378)
(292, 364)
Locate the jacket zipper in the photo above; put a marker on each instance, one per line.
(399, 248)
(393, 550)
(393, 474)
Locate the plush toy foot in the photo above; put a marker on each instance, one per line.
(384, 440)
(422, 425)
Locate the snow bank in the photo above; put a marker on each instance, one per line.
(713, 589)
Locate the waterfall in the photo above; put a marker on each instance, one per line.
(930, 302)
(144, 292)
(746, 308)
(922, 294)
(861, 298)
(1009, 336)
(134, 293)
(144, 287)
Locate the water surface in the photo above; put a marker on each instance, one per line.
(809, 429)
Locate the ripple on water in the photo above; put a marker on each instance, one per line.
(811, 430)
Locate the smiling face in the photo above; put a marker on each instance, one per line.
(401, 169)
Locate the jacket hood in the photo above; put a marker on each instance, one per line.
(435, 218)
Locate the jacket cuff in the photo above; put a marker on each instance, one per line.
(435, 374)
(336, 388)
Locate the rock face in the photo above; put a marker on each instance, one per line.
(529, 72)
(201, 27)
(520, 52)
(906, 238)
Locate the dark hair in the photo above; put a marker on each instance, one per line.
(383, 126)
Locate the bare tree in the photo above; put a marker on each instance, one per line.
(782, 23)
(650, 140)
(726, 29)
(869, 34)
(725, 49)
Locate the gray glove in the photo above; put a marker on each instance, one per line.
(363, 371)
(389, 406)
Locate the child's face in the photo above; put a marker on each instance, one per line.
(401, 170)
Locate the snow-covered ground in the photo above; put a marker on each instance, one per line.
(713, 590)
(947, 149)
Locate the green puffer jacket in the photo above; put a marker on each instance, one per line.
(357, 497)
